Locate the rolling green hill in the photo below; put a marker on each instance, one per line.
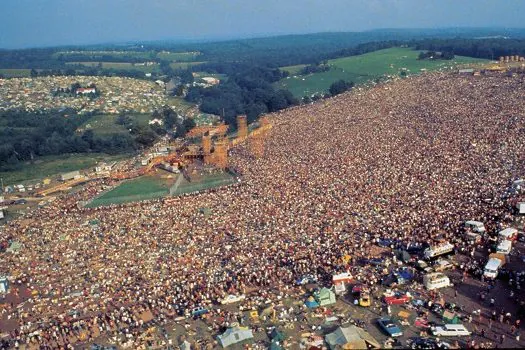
(364, 68)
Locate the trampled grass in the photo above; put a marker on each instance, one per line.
(365, 68)
(139, 189)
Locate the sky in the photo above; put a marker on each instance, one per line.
(39, 23)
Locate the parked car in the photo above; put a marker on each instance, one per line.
(199, 311)
(389, 327)
(427, 343)
(230, 299)
(364, 298)
(450, 330)
(397, 299)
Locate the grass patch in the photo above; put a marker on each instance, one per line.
(293, 70)
(105, 124)
(178, 56)
(184, 65)
(139, 189)
(15, 73)
(120, 65)
(204, 183)
(49, 166)
(365, 68)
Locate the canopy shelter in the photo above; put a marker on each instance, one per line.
(311, 303)
(351, 337)
(325, 297)
(234, 335)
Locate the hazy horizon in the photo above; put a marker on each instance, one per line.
(39, 23)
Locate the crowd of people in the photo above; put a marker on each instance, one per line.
(408, 161)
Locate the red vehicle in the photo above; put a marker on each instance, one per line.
(397, 299)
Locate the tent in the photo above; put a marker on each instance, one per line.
(4, 284)
(325, 297)
(276, 335)
(234, 335)
(185, 345)
(450, 317)
(403, 255)
(311, 303)
(351, 337)
(14, 247)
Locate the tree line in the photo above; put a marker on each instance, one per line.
(248, 90)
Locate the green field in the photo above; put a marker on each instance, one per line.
(139, 189)
(148, 55)
(204, 183)
(15, 73)
(364, 68)
(184, 65)
(104, 124)
(120, 65)
(52, 165)
(178, 56)
(293, 70)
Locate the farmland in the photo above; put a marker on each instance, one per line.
(120, 65)
(184, 65)
(364, 68)
(15, 73)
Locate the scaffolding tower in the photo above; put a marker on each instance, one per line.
(242, 127)
(220, 155)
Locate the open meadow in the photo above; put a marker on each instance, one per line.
(365, 68)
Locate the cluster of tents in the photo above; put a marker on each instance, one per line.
(322, 297)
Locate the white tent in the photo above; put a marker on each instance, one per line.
(234, 335)
(351, 337)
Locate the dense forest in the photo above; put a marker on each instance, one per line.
(247, 91)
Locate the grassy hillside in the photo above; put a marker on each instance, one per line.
(364, 68)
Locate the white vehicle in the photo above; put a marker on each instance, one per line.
(450, 330)
(341, 281)
(442, 265)
(521, 207)
(504, 247)
(230, 299)
(492, 267)
(438, 250)
(436, 280)
(475, 226)
(508, 234)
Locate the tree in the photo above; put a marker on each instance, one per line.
(33, 73)
(339, 87)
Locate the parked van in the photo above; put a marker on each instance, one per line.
(508, 234)
(504, 247)
(475, 226)
(436, 280)
(492, 267)
(521, 207)
(438, 250)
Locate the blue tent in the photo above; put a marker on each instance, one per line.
(311, 303)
